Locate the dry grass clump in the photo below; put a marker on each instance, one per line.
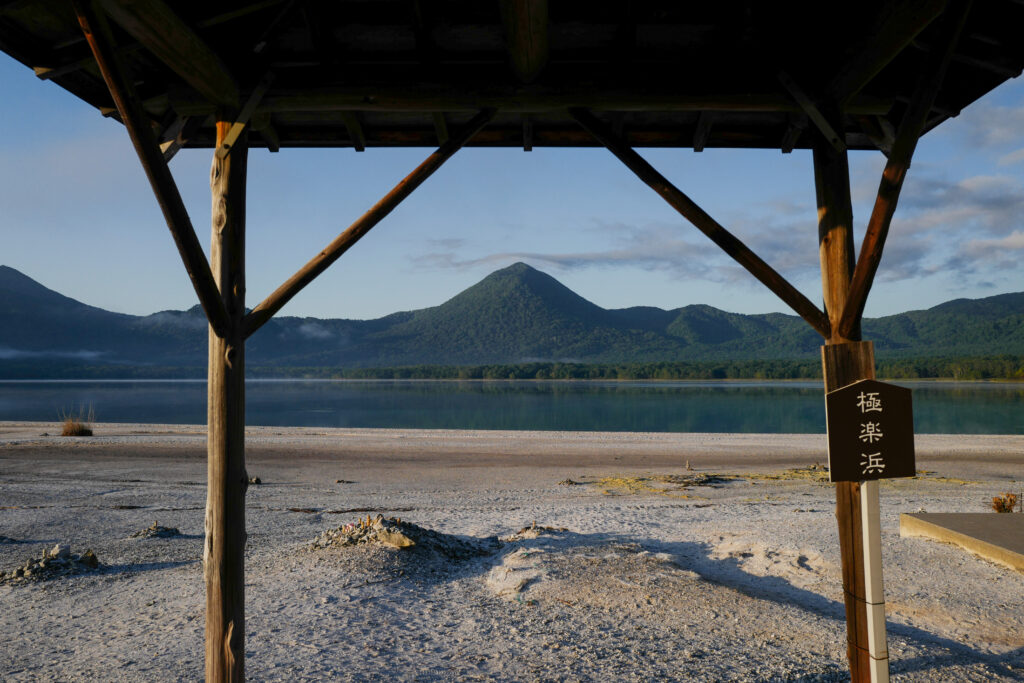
(77, 424)
(1004, 502)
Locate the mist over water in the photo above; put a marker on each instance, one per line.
(735, 406)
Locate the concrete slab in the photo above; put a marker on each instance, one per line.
(998, 537)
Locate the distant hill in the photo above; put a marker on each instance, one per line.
(514, 315)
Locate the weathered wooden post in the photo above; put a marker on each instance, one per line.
(224, 552)
(846, 360)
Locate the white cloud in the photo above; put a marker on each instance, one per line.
(992, 126)
(1011, 158)
(1012, 242)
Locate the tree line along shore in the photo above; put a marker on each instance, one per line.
(1004, 367)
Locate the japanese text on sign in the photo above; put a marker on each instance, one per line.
(869, 402)
(870, 432)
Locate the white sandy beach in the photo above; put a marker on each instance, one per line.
(649, 579)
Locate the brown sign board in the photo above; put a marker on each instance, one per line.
(870, 432)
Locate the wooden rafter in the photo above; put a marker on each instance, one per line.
(998, 68)
(526, 35)
(702, 130)
(333, 251)
(794, 129)
(273, 27)
(97, 34)
(440, 127)
(911, 127)
(423, 25)
(173, 42)
(354, 126)
(813, 111)
(177, 135)
(895, 28)
(879, 131)
(705, 223)
(264, 125)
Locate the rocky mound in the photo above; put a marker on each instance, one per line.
(56, 562)
(395, 533)
(157, 531)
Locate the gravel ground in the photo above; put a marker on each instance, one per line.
(640, 576)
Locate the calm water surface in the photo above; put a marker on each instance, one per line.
(760, 407)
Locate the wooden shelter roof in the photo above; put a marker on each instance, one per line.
(398, 73)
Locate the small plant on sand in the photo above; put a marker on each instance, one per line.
(77, 424)
(1004, 502)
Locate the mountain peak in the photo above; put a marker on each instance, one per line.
(22, 292)
(517, 268)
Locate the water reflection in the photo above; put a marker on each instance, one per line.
(764, 407)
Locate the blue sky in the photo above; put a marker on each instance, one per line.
(78, 216)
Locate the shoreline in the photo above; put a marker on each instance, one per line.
(642, 572)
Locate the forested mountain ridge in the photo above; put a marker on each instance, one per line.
(514, 315)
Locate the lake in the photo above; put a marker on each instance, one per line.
(683, 406)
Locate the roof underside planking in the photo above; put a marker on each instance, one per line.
(400, 73)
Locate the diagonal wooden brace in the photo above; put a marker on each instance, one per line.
(333, 251)
(813, 111)
(97, 33)
(242, 120)
(705, 223)
(914, 120)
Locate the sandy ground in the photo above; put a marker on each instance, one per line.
(640, 578)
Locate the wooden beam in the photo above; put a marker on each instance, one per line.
(896, 25)
(895, 172)
(97, 33)
(609, 94)
(45, 73)
(703, 222)
(227, 480)
(237, 13)
(702, 130)
(173, 42)
(355, 130)
(224, 145)
(526, 36)
(986, 65)
(527, 132)
(318, 264)
(810, 107)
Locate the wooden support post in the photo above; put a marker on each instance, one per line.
(224, 551)
(728, 242)
(846, 360)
